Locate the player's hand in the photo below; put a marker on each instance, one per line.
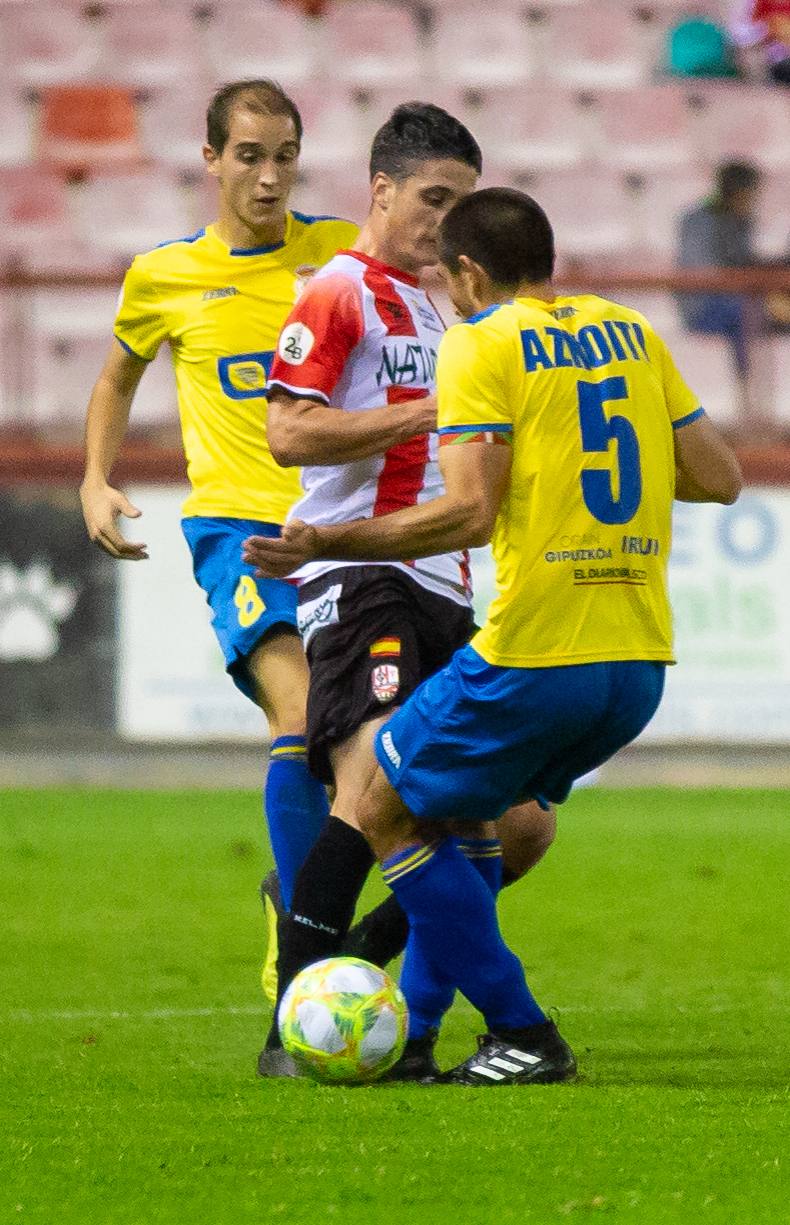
(101, 506)
(425, 415)
(277, 557)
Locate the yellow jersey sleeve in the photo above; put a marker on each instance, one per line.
(682, 404)
(140, 324)
(473, 400)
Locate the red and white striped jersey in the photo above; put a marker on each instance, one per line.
(363, 335)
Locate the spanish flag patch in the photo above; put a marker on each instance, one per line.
(386, 646)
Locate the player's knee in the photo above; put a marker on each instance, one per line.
(526, 832)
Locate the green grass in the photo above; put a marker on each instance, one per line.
(131, 1017)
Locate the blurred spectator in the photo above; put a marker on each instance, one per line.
(699, 47)
(311, 8)
(762, 27)
(719, 233)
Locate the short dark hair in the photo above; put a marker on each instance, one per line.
(420, 132)
(735, 176)
(503, 230)
(260, 95)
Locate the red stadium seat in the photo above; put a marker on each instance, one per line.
(334, 129)
(262, 39)
(16, 126)
(773, 214)
(470, 49)
(34, 209)
(371, 41)
(335, 191)
(83, 126)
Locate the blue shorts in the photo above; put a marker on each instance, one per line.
(244, 607)
(475, 739)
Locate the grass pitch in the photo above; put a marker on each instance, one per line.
(131, 1016)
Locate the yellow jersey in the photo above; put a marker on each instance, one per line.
(221, 310)
(588, 397)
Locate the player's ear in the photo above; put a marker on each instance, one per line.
(211, 158)
(382, 190)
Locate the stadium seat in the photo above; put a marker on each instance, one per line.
(85, 126)
(539, 133)
(592, 212)
(371, 41)
(70, 334)
(261, 39)
(148, 44)
(660, 309)
(645, 128)
(334, 191)
(334, 129)
(605, 47)
(778, 355)
(741, 121)
(661, 199)
(125, 213)
(172, 123)
(46, 44)
(469, 49)
(706, 364)
(773, 214)
(16, 126)
(34, 210)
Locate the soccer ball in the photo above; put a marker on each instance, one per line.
(344, 1020)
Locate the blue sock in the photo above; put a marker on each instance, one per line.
(454, 916)
(296, 809)
(428, 992)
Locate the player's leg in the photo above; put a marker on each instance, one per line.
(296, 803)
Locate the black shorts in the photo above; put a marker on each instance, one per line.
(372, 635)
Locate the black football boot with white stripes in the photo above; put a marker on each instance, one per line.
(537, 1055)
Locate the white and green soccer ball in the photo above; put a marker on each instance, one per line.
(343, 1020)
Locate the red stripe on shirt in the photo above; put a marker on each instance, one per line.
(403, 474)
(392, 310)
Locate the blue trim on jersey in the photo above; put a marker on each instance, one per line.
(501, 427)
(687, 420)
(130, 350)
(489, 310)
(189, 238)
(275, 246)
(307, 219)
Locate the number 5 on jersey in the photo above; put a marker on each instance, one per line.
(248, 602)
(597, 431)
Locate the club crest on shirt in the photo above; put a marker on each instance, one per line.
(295, 343)
(385, 682)
(303, 274)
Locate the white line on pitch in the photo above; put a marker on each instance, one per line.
(255, 1010)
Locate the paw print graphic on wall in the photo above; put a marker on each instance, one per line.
(33, 604)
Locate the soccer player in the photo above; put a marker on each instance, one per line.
(561, 416)
(219, 298)
(364, 333)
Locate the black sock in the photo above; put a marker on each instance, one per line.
(381, 935)
(324, 898)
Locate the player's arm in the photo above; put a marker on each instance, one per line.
(108, 416)
(305, 431)
(475, 477)
(140, 328)
(707, 468)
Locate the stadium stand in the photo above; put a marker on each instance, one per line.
(102, 120)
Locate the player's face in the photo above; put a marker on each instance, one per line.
(256, 171)
(416, 207)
